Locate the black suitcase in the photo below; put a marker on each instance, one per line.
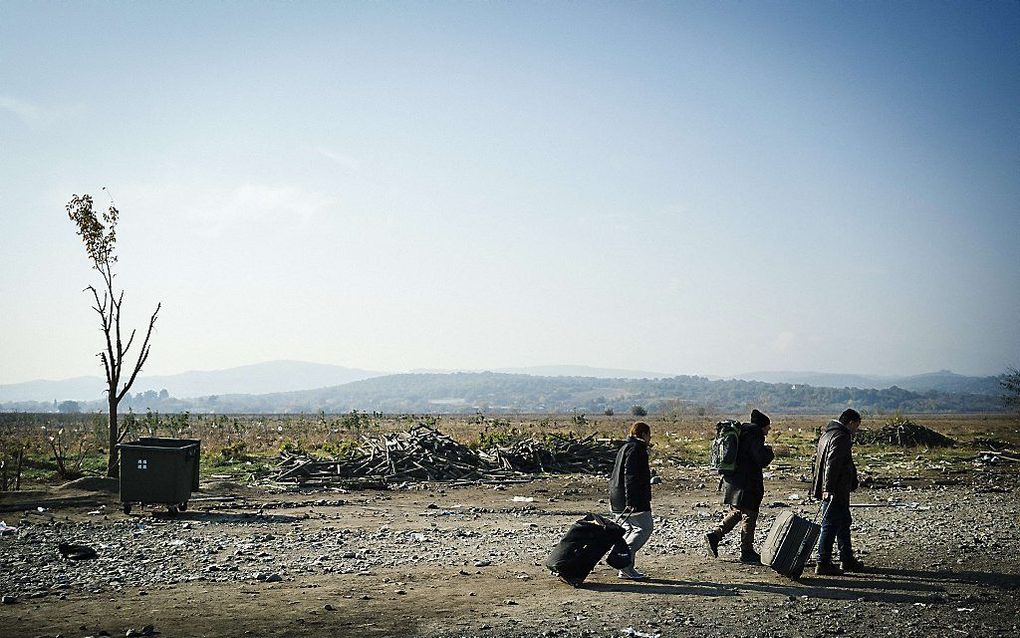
(584, 544)
(789, 544)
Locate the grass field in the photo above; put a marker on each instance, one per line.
(241, 445)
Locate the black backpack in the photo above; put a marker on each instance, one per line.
(725, 446)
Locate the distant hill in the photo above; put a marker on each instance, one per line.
(584, 371)
(941, 381)
(292, 386)
(558, 371)
(78, 389)
(467, 392)
(258, 378)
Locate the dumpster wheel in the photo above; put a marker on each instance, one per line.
(127, 508)
(183, 506)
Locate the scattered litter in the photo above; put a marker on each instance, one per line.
(795, 496)
(523, 499)
(76, 552)
(965, 609)
(7, 529)
(630, 631)
(991, 457)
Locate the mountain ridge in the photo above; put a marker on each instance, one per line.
(282, 376)
(467, 392)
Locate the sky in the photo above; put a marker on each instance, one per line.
(682, 187)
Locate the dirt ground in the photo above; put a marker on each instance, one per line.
(438, 561)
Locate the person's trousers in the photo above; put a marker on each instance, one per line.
(638, 529)
(836, 521)
(749, 516)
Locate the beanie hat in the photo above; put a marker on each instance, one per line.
(759, 418)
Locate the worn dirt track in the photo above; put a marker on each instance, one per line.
(436, 561)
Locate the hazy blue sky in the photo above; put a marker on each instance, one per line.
(683, 187)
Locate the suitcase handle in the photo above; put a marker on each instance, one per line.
(624, 516)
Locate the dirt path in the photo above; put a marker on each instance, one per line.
(467, 562)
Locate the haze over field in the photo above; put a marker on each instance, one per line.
(691, 188)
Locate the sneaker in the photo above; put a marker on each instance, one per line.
(712, 542)
(631, 574)
(828, 569)
(852, 565)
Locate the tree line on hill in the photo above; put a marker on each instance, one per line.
(495, 392)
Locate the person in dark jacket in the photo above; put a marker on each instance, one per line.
(630, 491)
(745, 488)
(835, 478)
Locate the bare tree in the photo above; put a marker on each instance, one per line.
(1010, 383)
(100, 239)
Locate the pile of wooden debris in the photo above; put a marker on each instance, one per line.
(426, 454)
(904, 433)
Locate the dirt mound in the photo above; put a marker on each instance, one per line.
(93, 484)
(904, 433)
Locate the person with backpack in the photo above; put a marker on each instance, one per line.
(835, 478)
(630, 491)
(745, 486)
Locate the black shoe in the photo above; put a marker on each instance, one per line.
(750, 557)
(852, 565)
(828, 569)
(573, 582)
(712, 542)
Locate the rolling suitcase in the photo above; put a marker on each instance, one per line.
(789, 544)
(584, 544)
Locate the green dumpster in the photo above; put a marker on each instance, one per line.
(156, 471)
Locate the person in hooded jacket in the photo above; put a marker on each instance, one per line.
(630, 491)
(745, 488)
(835, 478)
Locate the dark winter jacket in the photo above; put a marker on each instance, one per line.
(745, 488)
(835, 471)
(630, 485)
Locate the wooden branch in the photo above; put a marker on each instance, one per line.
(104, 309)
(130, 340)
(115, 303)
(116, 323)
(143, 355)
(106, 367)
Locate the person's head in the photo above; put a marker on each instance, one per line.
(762, 420)
(641, 430)
(851, 418)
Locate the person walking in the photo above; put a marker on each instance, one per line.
(745, 488)
(630, 491)
(835, 477)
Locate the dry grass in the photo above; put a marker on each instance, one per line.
(241, 443)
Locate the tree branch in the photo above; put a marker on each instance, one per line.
(130, 339)
(104, 309)
(143, 354)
